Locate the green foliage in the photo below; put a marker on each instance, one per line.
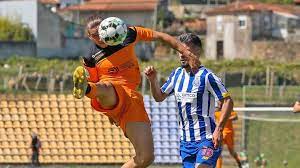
(165, 67)
(12, 30)
(38, 65)
(231, 66)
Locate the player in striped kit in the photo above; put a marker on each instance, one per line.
(195, 93)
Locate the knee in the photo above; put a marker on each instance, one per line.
(104, 86)
(144, 160)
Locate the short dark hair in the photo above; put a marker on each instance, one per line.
(93, 21)
(190, 38)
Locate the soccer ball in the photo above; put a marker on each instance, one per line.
(112, 31)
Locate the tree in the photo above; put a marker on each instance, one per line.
(12, 30)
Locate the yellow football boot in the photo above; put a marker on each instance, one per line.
(80, 76)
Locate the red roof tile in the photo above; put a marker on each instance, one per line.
(195, 24)
(249, 6)
(115, 5)
(121, 1)
(49, 1)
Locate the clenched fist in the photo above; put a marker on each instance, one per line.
(150, 73)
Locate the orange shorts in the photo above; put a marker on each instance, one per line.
(228, 139)
(130, 107)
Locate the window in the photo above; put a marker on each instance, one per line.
(242, 22)
(219, 23)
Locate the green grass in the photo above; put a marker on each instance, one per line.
(278, 141)
(257, 94)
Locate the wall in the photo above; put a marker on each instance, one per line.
(236, 41)
(144, 18)
(8, 48)
(286, 26)
(242, 39)
(25, 11)
(71, 47)
(49, 31)
(262, 24)
(276, 50)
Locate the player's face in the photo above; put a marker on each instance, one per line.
(94, 36)
(183, 60)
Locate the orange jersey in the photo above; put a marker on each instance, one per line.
(228, 126)
(119, 63)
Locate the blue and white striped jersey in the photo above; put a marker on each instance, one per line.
(195, 95)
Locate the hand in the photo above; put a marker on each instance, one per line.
(296, 107)
(194, 61)
(217, 138)
(150, 73)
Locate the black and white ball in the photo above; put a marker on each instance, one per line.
(112, 31)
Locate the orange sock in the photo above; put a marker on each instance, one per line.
(92, 94)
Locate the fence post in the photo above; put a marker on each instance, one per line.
(24, 84)
(243, 76)
(5, 81)
(271, 85)
(38, 81)
(267, 81)
(244, 131)
(51, 82)
(19, 77)
(144, 81)
(244, 94)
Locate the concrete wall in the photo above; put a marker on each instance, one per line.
(286, 26)
(25, 11)
(276, 50)
(236, 40)
(71, 48)
(49, 31)
(262, 24)
(144, 18)
(8, 49)
(242, 39)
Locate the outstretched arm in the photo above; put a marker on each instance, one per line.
(194, 61)
(157, 94)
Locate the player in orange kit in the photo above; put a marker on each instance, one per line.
(110, 76)
(228, 136)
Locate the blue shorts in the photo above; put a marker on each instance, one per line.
(199, 152)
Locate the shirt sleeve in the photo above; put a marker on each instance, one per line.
(233, 114)
(144, 34)
(216, 87)
(168, 87)
(217, 116)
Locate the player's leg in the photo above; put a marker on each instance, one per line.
(207, 155)
(188, 153)
(219, 162)
(189, 161)
(104, 92)
(234, 155)
(230, 144)
(140, 135)
(220, 159)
